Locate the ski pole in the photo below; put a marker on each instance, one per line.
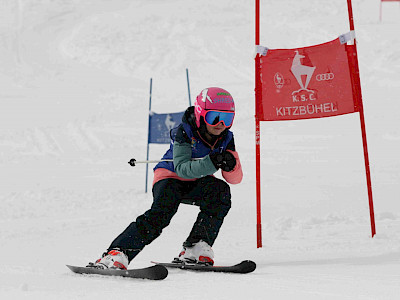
(133, 161)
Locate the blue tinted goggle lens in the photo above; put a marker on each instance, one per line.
(213, 117)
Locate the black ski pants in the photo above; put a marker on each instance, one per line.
(211, 194)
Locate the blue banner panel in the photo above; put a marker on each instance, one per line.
(160, 126)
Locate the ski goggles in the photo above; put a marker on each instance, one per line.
(214, 117)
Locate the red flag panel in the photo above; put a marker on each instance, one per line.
(310, 82)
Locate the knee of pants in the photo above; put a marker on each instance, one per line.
(218, 199)
(221, 189)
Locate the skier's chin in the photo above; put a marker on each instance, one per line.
(216, 130)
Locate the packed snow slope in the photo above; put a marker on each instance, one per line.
(74, 92)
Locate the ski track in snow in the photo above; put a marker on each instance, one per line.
(74, 89)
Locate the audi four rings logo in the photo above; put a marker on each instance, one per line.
(326, 76)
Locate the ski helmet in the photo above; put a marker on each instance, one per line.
(214, 105)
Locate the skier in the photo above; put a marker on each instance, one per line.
(204, 133)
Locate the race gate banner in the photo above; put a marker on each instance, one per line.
(311, 82)
(160, 126)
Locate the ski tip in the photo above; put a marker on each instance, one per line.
(161, 271)
(72, 268)
(248, 266)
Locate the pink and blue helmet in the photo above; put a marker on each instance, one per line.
(214, 105)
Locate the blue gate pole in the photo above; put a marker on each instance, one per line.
(187, 77)
(148, 136)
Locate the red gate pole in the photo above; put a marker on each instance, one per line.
(257, 119)
(363, 131)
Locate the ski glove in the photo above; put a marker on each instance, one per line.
(224, 161)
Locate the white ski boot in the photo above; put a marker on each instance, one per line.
(113, 259)
(199, 253)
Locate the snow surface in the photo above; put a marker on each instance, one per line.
(74, 90)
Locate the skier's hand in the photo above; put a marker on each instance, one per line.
(224, 161)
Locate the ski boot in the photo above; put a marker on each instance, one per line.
(198, 253)
(113, 259)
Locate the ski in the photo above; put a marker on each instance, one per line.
(156, 272)
(246, 266)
